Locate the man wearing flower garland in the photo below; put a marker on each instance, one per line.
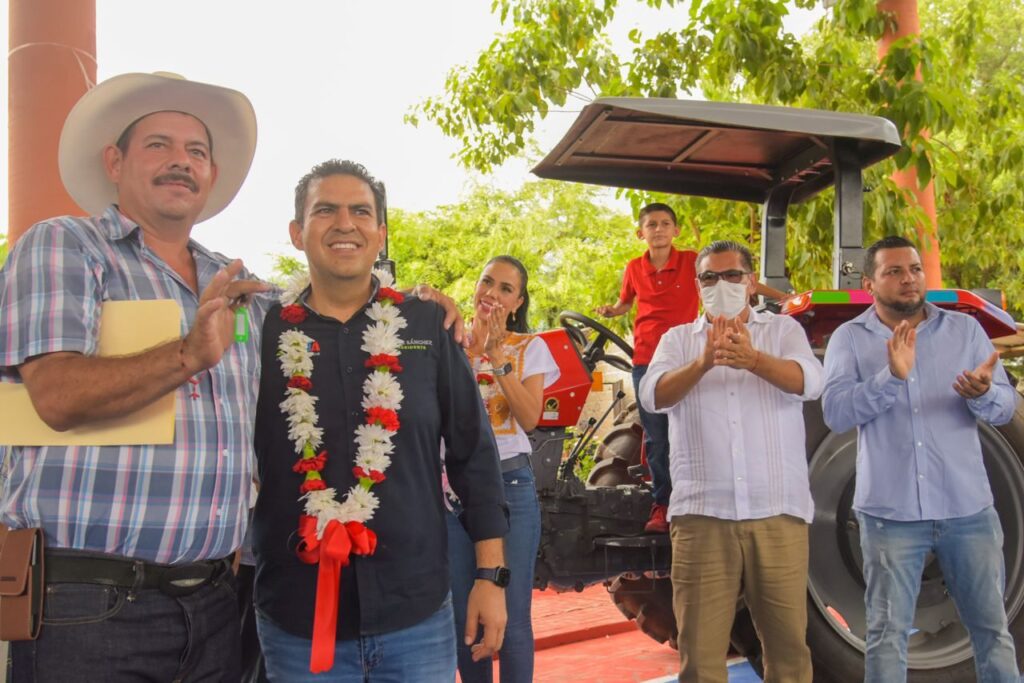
(138, 538)
(359, 386)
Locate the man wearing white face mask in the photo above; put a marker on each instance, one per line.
(732, 384)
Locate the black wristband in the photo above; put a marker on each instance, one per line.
(500, 576)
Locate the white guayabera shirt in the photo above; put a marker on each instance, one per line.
(736, 442)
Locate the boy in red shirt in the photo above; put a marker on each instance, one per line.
(664, 284)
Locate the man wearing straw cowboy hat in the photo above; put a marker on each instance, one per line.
(137, 536)
(139, 584)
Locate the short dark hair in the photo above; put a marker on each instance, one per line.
(890, 242)
(340, 167)
(125, 138)
(517, 322)
(651, 208)
(722, 246)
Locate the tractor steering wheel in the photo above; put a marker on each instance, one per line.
(578, 325)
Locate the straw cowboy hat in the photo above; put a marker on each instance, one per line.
(103, 113)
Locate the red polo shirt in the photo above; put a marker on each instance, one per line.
(664, 298)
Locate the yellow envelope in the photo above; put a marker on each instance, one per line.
(126, 327)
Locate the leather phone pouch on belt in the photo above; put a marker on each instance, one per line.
(21, 583)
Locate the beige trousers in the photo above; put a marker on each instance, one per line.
(716, 560)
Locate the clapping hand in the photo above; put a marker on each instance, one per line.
(496, 333)
(715, 333)
(901, 348)
(974, 383)
(734, 348)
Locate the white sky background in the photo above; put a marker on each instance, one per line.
(328, 78)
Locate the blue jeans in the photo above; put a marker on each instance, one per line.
(970, 553)
(516, 656)
(105, 633)
(655, 443)
(423, 652)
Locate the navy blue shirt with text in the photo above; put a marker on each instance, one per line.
(406, 579)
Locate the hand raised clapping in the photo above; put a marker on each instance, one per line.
(728, 344)
(902, 347)
(496, 333)
(974, 383)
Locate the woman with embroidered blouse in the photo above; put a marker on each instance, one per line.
(512, 368)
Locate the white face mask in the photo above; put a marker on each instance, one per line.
(724, 298)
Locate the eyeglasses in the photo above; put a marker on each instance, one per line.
(709, 278)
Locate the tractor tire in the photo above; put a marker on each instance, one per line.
(623, 442)
(618, 451)
(940, 650)
(609, 472)
(649, 602)
(629, 415)
(623, 439)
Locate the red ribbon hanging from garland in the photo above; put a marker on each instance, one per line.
(333, 549)
(332, 552)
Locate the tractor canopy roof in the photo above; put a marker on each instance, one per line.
(712, 149)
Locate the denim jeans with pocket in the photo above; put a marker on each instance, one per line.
(422, 652)
(105, 633)
(516, 656)
(969, 551)
(655, 444)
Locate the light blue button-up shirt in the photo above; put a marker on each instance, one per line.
(918, 453)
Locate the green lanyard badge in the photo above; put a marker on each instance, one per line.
(241, 324)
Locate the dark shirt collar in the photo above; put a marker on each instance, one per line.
(374, 291)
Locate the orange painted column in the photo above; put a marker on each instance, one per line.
(51, 64)
(907, 24)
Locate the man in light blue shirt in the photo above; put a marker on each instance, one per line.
(915, 380)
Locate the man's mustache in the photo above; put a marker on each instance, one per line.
(182, 178)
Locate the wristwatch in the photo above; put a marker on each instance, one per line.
(499, 575)
(503, 370)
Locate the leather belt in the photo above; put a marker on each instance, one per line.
(515, 462)
(70, 566)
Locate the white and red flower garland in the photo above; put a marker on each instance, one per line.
(485, 380)
(330, 530)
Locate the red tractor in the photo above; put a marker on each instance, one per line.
(593, 532)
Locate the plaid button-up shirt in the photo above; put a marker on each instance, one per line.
(172, 503)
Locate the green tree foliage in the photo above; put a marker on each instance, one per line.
(962, 124)
(3, 249)
(572, 245)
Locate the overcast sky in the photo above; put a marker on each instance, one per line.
(328, 78)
